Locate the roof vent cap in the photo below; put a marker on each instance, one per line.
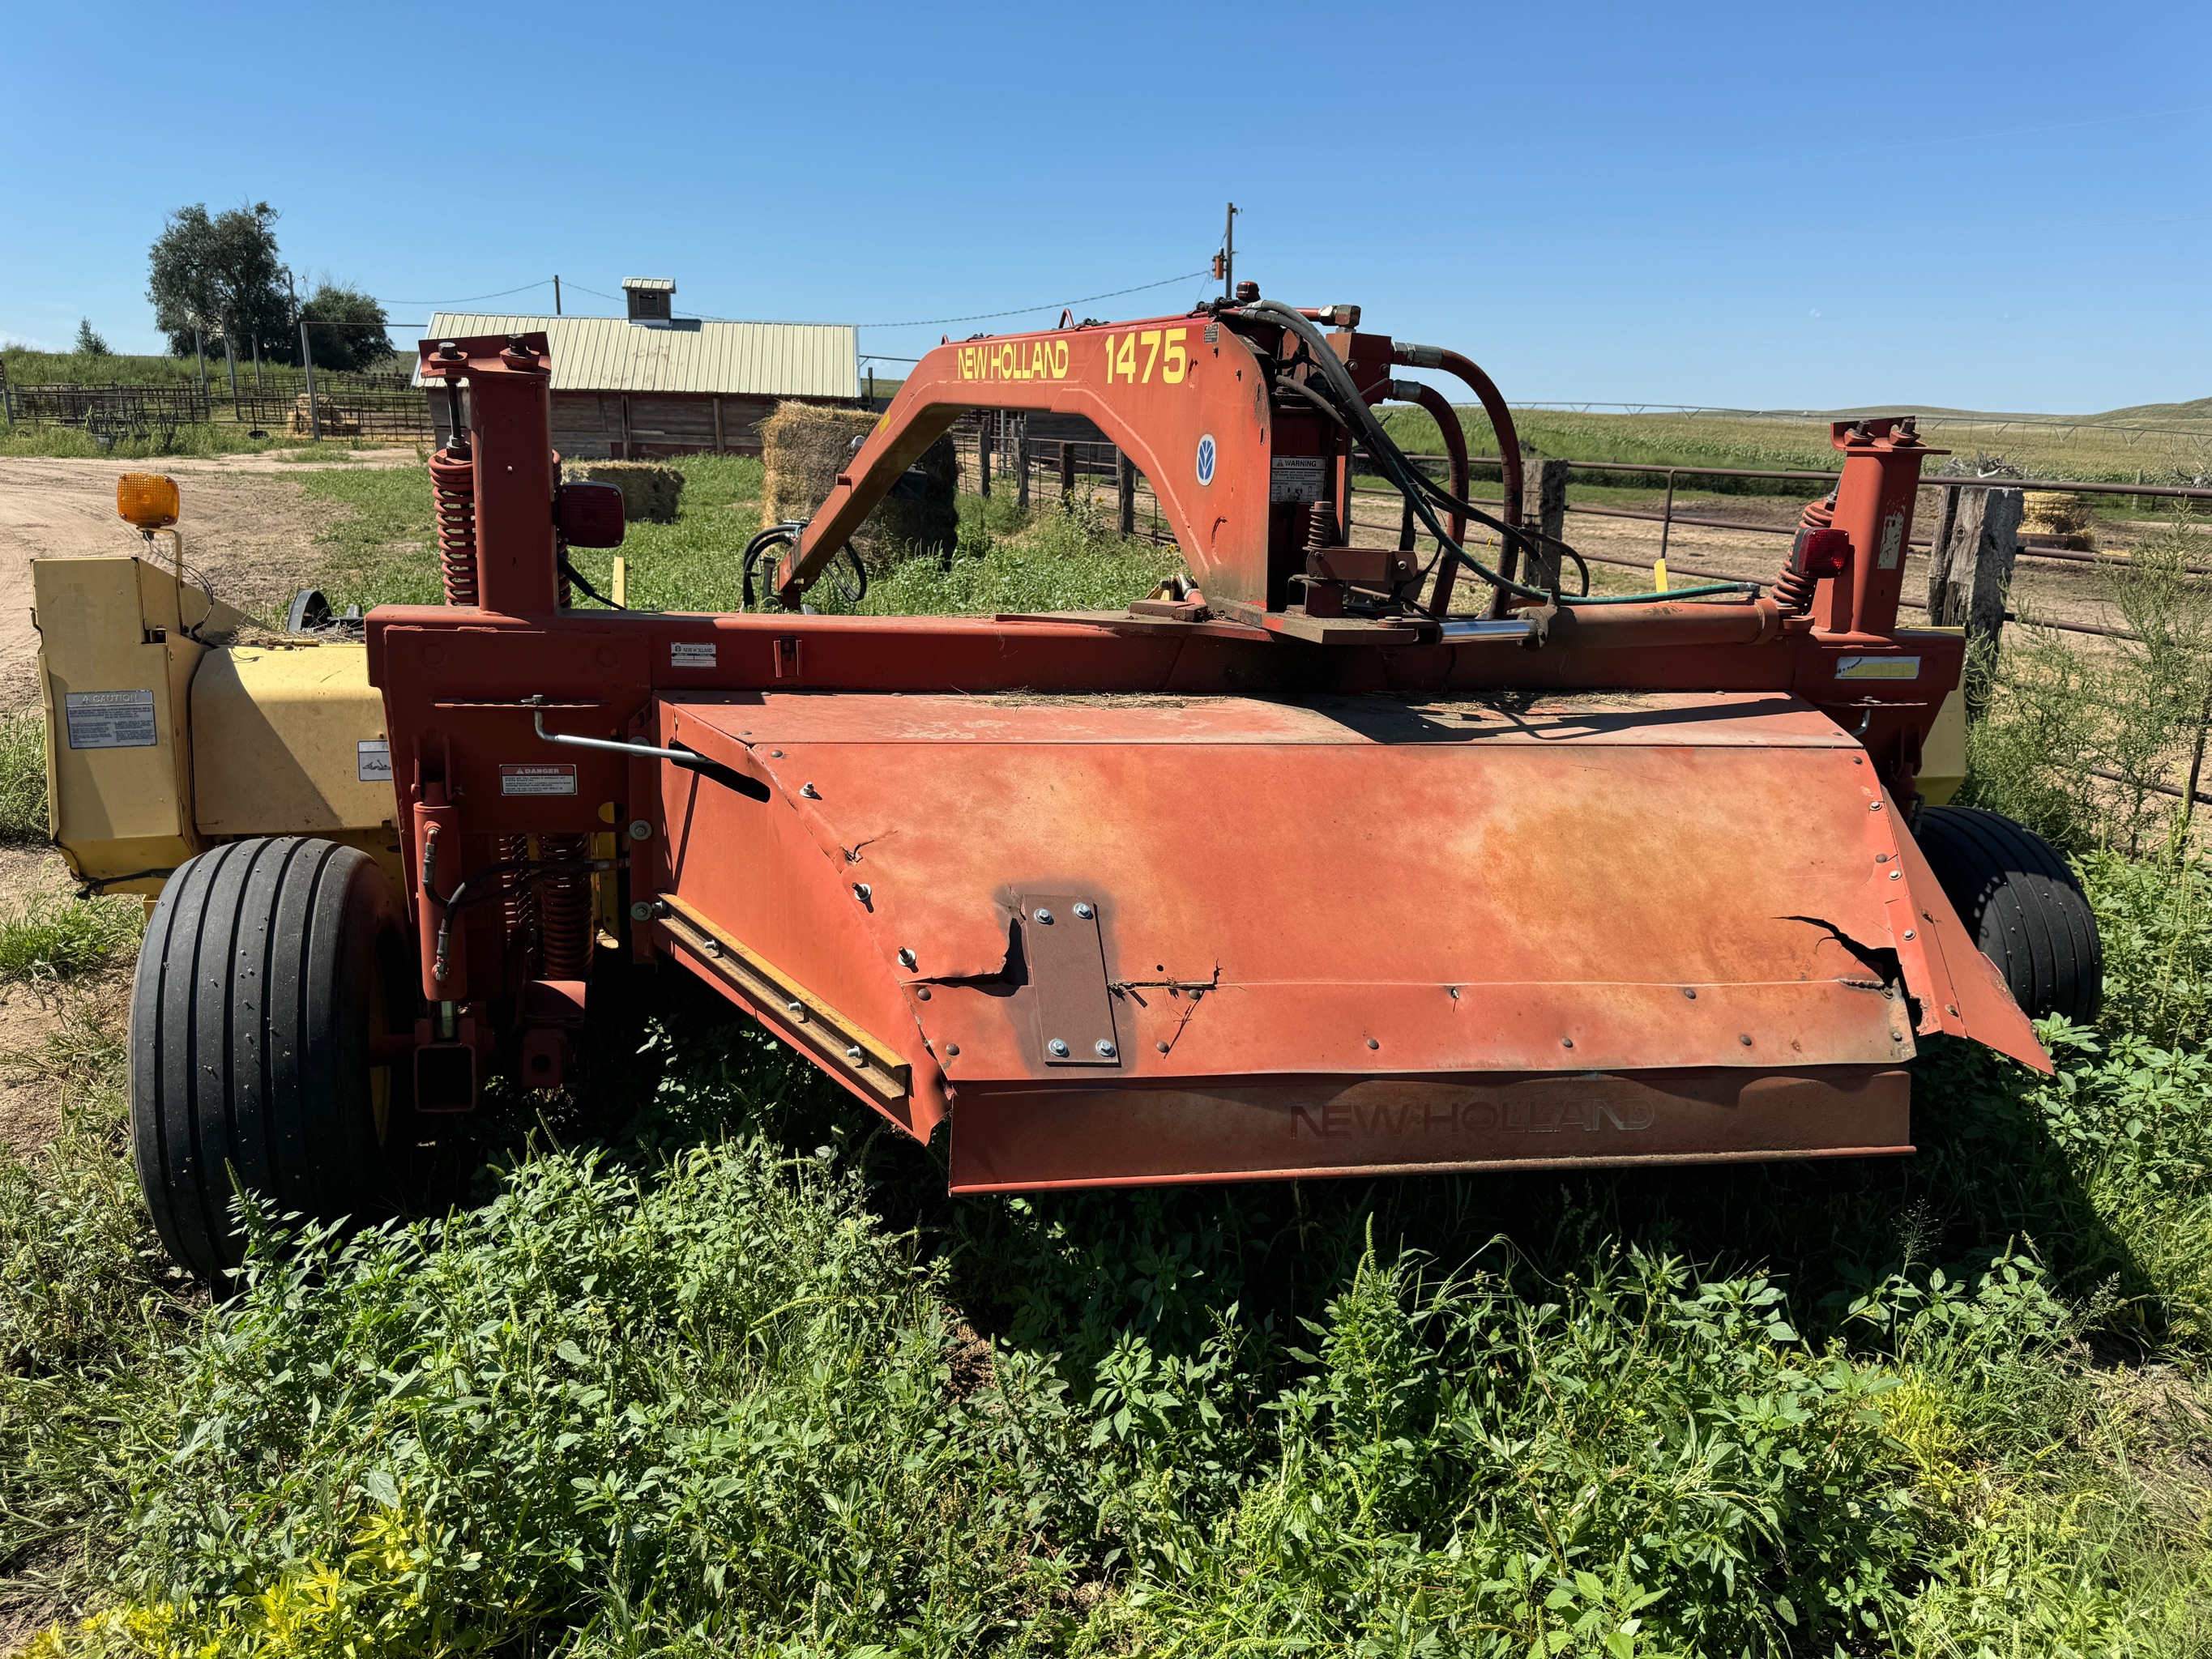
(652, 299)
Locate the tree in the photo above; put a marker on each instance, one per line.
(345, 328)
(220, 274)
(89, 343)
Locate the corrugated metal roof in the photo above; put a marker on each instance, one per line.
(612, 354)
(650, 284)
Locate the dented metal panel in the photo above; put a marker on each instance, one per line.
(1326, 893)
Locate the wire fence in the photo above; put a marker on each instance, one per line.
(369, 413)
(268, 399)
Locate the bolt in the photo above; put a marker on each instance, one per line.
(1372, 1043)
(810, 792)
(641, 911)
(712, 947)
(775, 754)
(1744, 1039)
(640, 829)
(1566, 1042)
(1908, 933)
(1896, 875)
(1084, 912)
(862, 891)
(1874, 806)
(1881, 858)
(1058, 1047)
(854, 1054)
(1105, 1049)
(796, 1010)
(906, 957)
(1690, 992)
(1044, 918)
(952, 1047)
(1162, 1047)
(921, 992)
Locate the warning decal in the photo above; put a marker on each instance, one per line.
(112, 720)
(1295, 478)
(555, 780)
(373, 761)
(1877, 668)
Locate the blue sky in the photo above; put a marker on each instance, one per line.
(1995, 207)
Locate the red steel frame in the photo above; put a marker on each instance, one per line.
(822, 744)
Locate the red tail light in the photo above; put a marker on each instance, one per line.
(589, 515)
(1823, 552)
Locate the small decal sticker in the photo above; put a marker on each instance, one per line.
(690, 653)
(556, 780)
(112, 720)
(373, 761)
(1893, 541)
(1878, 668)
(1206, 458)
(1295, 478)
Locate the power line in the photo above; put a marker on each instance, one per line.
(471, 298)
(1025, 310)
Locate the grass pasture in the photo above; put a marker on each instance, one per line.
(709, 1363)
(2093, 451)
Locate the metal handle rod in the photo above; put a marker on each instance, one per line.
(681, 757)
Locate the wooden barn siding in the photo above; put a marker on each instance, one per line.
(587, 426)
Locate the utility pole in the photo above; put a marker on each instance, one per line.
(307, 358)
(556, 293)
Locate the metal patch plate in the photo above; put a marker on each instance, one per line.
(1067, 981)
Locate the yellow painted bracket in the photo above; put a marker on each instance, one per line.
(799, 1015)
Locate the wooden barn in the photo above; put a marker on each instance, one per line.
(652, 383)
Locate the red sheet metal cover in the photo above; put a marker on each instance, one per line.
(1357, 886)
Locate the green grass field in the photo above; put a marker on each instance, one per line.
(2093, 452)
(709, 1363)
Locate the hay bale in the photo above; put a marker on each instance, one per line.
(804, 447)
(651, 495)
(2060, 518)
(921, 516)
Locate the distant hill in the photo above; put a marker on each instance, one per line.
(2135, 415)
(2197, 409)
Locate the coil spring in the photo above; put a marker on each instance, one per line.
(1793, 588)
(453, 484)
(564, 910)
(1321, 526)
(518, 904)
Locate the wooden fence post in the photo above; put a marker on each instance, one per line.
(1970, 574)
(983, 452)
(1022, 472)
(7, 393)
(718, 444)
(1544, 508)
(1067, 474)
(1125, 480)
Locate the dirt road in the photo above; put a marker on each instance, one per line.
(248, 530)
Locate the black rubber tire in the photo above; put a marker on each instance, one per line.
(2021, 905)
(267, 967)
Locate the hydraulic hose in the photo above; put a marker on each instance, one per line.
(1441, 411)
(1493, 404)
(1417, 486)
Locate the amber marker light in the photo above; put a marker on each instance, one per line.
(146, 500)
